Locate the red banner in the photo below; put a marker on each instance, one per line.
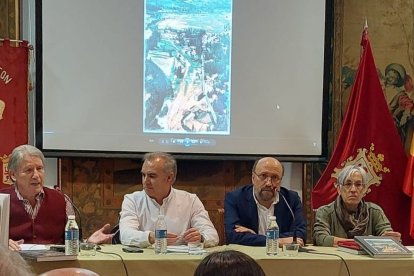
(409, 184)
(14, 61)
(369, 138)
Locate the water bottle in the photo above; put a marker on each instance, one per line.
(160, 236)
(272, 236)
(71, 236)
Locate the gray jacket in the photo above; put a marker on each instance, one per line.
(327, 225)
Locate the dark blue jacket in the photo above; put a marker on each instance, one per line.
(240, 208)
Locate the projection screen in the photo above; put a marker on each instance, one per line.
(209, 77)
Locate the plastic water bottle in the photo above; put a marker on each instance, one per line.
(160, 236)
(71, 236)
(272, 236)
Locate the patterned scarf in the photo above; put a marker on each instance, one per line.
(354, 223)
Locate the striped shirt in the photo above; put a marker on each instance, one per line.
(32, 211)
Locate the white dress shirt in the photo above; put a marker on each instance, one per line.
(264, 213)
(182, 210)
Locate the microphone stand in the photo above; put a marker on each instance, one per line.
(295, 239)
(78, 214)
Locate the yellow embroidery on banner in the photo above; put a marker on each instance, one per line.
(2, 108)
(370, 161)
(6, 176)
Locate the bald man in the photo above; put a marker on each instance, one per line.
(247, 209)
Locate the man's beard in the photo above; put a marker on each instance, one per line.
(267, 194)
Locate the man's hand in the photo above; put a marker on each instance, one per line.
(192, 235)
(242, 229)
(102, 235)
(15, 245)
(289, 240)
(171, 238)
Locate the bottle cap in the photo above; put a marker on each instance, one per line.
(71, 217)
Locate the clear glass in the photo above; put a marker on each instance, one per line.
(291, 249)
(195, 248)
(87, 249)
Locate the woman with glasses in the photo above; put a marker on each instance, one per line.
(349, 215)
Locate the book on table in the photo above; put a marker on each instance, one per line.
(46, 255)
(383, 247)
(351, 246)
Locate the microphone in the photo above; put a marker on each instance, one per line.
(295, 240)
(293, 217)
(78, 214)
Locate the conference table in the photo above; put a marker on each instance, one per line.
(319, 261)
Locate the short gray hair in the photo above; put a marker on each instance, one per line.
(19, 153)
(170, 164)
(350, 170)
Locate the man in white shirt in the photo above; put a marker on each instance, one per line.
(186, 218)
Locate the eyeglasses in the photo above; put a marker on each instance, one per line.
(348, 185)
(263, 177)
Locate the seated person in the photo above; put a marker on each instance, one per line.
(37, 214)
(228, 263)
(349, 215)
(185, 216)
(246, 210)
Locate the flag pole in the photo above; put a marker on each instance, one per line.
(364, 37)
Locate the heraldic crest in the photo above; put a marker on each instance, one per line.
(370, 161)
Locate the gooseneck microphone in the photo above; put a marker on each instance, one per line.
(293, 216)
(78, 214)
(295, 240)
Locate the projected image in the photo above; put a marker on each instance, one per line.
(187, 66)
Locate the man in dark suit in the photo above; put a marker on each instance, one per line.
(247, 209)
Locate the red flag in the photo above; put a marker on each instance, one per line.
(13, 101)
(409, 183)
(369, 137)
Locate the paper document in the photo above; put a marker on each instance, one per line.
(30, 246)
(177, 248)
(411, 248)
(180, 249)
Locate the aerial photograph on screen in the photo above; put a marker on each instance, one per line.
(187, 66)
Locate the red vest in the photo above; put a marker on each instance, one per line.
(49, 225)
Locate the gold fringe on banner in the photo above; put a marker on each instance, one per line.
(16, 42)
